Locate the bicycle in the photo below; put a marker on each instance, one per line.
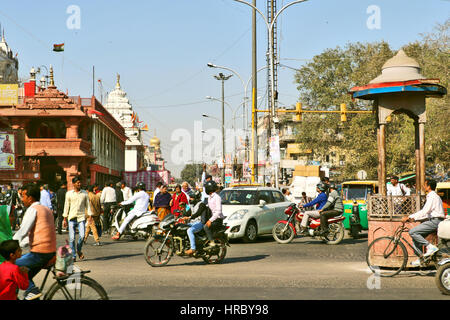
(74, 286)
(395, 253)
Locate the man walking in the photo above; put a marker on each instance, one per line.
(431, 214)
(75, 208)
(126, 191)
(60, 200)
(45, 197)
(108, 199)
(93, 221)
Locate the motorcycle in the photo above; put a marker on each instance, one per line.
(284, 231)
(139, 227)
(172, 238)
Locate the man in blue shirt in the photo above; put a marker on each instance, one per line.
(45, 197)
(320, 201)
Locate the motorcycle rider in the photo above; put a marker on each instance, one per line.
(141, 199)
(202, 211)
(334, 207)
(320, 200)
(215, 205)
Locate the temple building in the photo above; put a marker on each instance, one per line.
(119, 106)
(9, 65)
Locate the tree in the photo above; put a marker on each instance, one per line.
(191, 173)
(324, 83)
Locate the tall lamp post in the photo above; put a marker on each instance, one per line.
(271, 59)
(223, 78)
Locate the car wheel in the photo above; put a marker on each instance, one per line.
(251, 231)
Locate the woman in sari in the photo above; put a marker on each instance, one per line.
(162, 203)
(177, 198)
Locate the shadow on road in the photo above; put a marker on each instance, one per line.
(225, 261)
(114, 257)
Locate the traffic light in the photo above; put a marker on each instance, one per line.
(343, 112)
(298, 109)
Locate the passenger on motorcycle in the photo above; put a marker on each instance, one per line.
(141, 200)
(334, 207)
(320, 200)
(215, 205)
(202, 211)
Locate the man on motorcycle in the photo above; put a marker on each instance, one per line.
(334, 207)
(200, 210)
(215, 205)
(141, 199)
(320, 200)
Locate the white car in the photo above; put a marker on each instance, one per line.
(252, 211)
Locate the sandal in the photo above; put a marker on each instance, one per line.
(81, 256)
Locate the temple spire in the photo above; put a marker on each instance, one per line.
(52, 80)
(118, 82)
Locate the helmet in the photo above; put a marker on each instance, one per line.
(322, 187)
(332, 185)
(210, 186)
(140, 185)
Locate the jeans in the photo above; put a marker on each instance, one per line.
(195, 227)
(81, 232)
(419, 233)
(35, 262)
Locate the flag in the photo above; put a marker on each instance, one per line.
(58, 47)
(95, 112)
(144, 128)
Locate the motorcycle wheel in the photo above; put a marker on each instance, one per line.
(217, 254)
(151, 254)
(280, 236)
(442, 278)
(336, 234)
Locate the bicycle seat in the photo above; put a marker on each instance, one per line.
(51, 263)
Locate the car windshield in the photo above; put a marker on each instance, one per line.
(238, 197)
(358, 192)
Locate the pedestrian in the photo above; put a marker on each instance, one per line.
(288, 195)
(45, 197)
(431, 215)
(37, 230)
(157, 190)
(12, 199)
(397, 189)
(119, 193)
(126, 191)
(60, 200)
(162, 203)
(94, 220)
(12, 277)
(107, 199)
(178, 197)
(75, 209)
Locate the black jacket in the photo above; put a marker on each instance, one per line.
(204, 212)
(60, 199)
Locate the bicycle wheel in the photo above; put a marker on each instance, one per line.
(385, 257)
(76, 288)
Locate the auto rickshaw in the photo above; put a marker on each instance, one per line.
(443, 190)
(354, 196)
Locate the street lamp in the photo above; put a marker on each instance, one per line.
(271, 63)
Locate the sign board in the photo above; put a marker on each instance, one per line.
(9, 95)
(361, 175)
(275, 149)
(7, 151)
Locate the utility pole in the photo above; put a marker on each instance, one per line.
(254, 157)
(222, 78)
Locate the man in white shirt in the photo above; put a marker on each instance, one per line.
(107, 199)
(431, 214)
(126, 191)
(397, 189)
(140, 200)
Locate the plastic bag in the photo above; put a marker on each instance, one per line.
(64, 260)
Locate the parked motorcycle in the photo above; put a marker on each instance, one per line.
(284, 231)
(139, 227)
(172, 238)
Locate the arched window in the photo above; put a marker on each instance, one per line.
(46, 128)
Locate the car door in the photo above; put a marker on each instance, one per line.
(266, 214)
(281, 203)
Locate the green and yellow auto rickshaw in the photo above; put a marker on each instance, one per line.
(354, 196)
(443, 190)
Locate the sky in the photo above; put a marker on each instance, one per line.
(161, 50)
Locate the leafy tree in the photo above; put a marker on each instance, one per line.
(323, 84)
(191, 173)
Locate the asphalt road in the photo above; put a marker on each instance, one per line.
(302, 270)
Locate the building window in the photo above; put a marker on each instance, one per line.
(46, 128)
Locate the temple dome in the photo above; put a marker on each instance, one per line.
(399, 68)
(155, 142)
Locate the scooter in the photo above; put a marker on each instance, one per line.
(139, 227)
(284, 231)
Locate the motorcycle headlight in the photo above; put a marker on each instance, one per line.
(238, 215)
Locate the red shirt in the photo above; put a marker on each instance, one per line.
(10, 279)
(177, 199)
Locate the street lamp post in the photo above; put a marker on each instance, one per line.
(271, 62)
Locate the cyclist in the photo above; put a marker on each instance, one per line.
(431, 214)
(37, 230)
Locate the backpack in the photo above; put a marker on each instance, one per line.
(64, 260)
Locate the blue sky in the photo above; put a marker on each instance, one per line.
(161, 48)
